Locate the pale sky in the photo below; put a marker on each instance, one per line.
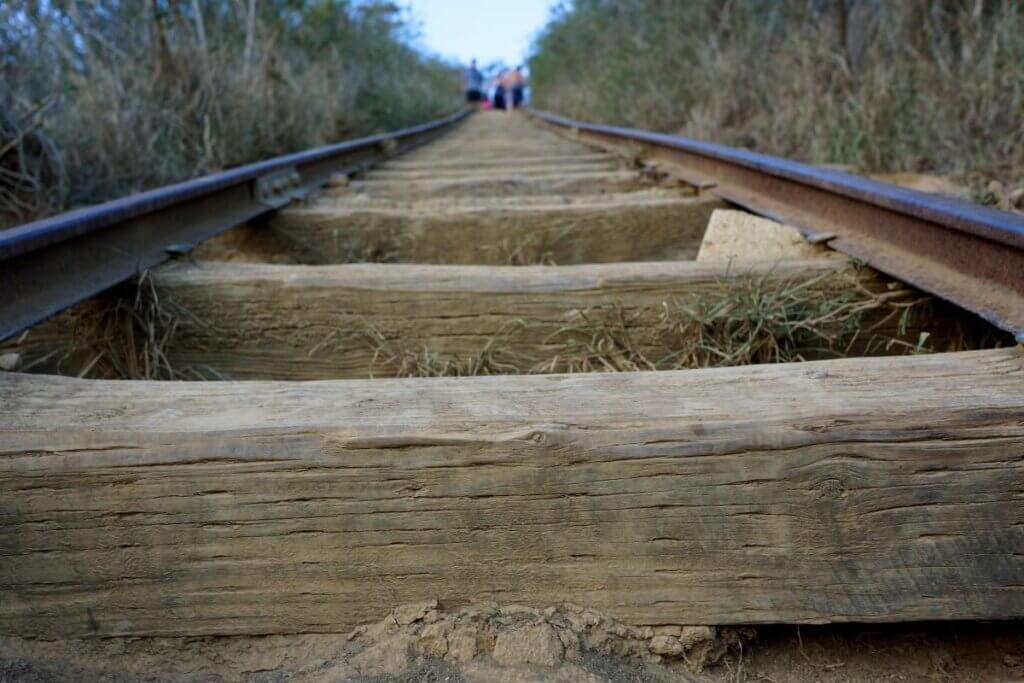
(488, 30)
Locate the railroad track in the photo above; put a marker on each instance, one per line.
(885, 486)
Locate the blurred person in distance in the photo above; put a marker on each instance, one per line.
(473, 85)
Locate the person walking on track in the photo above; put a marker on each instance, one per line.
(499, 98)
(517, 87)
(473, 85)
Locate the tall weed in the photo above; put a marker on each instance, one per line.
(914, 85)
(100, 98)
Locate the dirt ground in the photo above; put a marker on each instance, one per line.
(954, 651)
(568, 644)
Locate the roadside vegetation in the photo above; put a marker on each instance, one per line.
(915, 85)
(100, 98)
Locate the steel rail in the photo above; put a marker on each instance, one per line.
(967, 254)
(52, 264)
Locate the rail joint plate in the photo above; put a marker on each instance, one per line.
(278, 188)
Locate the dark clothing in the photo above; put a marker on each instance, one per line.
(517, 96)
(474, 80)
(474, 96)
(499, 97)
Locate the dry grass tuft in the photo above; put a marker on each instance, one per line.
(377, 246)
(495, 358)
(125, 336)
(744, 321)
(603, 339)
(527, 250)
(757, 321)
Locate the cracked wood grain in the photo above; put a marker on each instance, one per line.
(884, 489)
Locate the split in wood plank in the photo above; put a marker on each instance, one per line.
(873, 490)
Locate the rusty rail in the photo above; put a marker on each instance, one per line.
(966, 254)
(52, 264)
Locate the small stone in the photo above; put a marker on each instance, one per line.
(9, 361)
(582, 619)
(433, 640)
(338, 180)
(407, 614)
(570, 643)
(388, 657)
(619, 629)
(996, 191)
(628, 631)
(599, 640)
(478, 612)
(531, 644)
(1011, 660)
(667, 646)
(738, 236)
(462, 644)
(517, 610)
(1017, 198)
(560, 620)
(692, 635)
(376, 631)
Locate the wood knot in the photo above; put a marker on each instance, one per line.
(831, 489)
(410, 489)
